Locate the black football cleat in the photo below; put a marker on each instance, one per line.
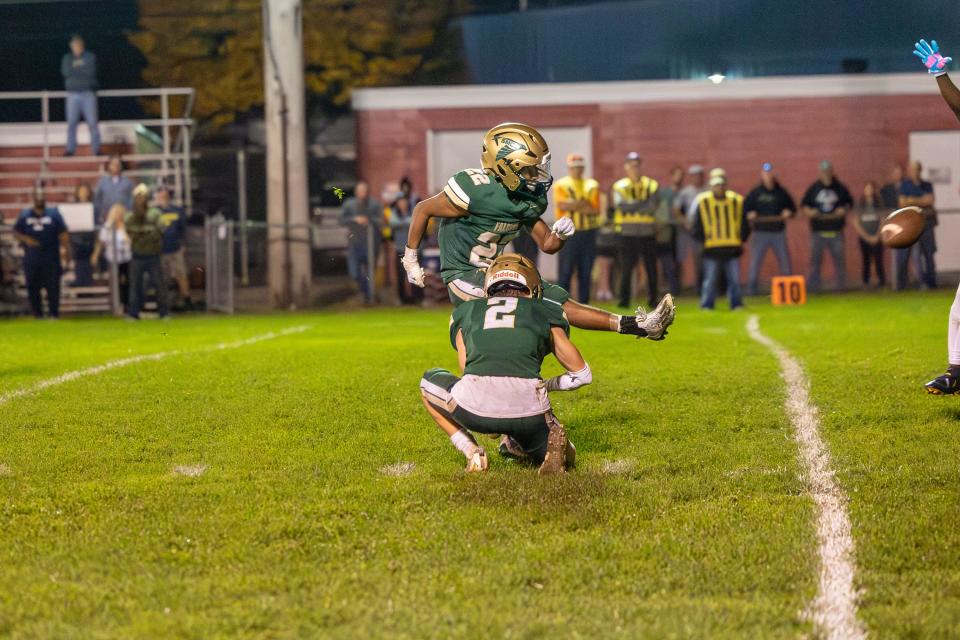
(945, 385)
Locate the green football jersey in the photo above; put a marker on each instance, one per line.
(506, 336)
(497, 216)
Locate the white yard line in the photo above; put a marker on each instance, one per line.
(834, 610)
(123, 362)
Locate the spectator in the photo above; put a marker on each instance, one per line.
(145, 228)
(407, 192)
(42, 232)
(79, 70)
(111, 189)
(82, 243)
(172, 261)
(578, 198)
(720, 225)
(684, 213)
(826, 204)
(916, 192)
(667, 229)
(606, 252)
(867, 223)
(400, 216)
(890, 192)
(114, 244)
(768, 207)
(361, 215)
(635, 200)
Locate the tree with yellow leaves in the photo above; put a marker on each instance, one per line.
(215, 46)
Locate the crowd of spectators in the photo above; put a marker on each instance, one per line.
(643, 234)
(139, 232)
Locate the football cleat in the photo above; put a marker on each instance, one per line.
(656, 323)
(555, 460)
(510, 448)
(944, 385)
(477, 462)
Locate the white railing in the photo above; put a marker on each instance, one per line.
(173, 161)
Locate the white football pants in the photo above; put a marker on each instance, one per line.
(953, 332)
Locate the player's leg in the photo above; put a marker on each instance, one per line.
(435, 391)
(949, 382)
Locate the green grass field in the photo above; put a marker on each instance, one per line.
(687, 516)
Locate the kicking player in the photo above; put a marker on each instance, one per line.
(936, 64)
(501, 341)
(482, 210)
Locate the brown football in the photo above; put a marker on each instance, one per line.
(901, 228)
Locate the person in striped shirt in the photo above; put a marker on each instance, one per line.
(578, 198)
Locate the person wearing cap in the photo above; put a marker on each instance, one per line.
(578, 198)
(42, 233)
(826, 204)
(79, 71)
(720, 225)
(145, 228)
(768, 207)
(684, 212)
(172, 261)
(635, 201)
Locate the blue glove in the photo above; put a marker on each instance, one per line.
(930, 55)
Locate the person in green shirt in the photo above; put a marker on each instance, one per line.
(501, 342)
(145, 228)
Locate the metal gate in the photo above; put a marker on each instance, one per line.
(219, 235)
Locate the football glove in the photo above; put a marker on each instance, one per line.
(570, 380)
(929, 54)
(411, 263)
(563, 228)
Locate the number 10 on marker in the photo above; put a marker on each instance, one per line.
(788, 290)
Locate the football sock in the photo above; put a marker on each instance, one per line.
(628, 325)
(953, 333)
(464, 442)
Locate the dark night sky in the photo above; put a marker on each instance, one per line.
(35, 36)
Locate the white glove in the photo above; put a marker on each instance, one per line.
(411, 263)
(563, 228)
(571, 380)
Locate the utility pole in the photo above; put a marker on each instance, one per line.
(288, 234)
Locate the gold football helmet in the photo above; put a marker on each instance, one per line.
(519, 157)
(516, 270)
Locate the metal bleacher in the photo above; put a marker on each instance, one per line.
(33, 153)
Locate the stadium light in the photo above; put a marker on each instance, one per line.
(716, 78)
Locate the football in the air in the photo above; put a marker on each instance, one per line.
(902, 227)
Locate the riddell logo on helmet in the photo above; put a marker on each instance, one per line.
(507, 274)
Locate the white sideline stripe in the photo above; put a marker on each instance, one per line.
(123, 362)
(834, 609)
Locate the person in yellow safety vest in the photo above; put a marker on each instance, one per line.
(578, 198)
(635, 201)
(722, 228)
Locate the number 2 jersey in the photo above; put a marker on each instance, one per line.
(506, 340)
(497, 216)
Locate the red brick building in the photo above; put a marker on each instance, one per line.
(862, 123)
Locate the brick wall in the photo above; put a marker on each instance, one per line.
(862, 136)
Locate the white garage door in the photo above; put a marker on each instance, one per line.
(939, 151)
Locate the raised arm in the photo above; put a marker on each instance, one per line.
(578, 371)
(439, 206)
(936, 64)
(552, 240)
